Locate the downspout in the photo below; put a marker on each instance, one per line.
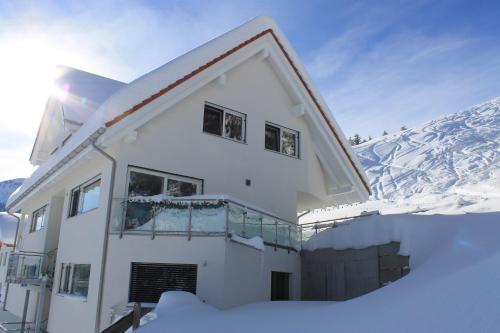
(106, 234)
(4, 307)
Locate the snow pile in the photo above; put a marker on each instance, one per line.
(182, 306)
(442, 155)
(254, 242)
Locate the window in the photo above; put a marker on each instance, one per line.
(143, 182)
(224, 122)
(85, 197)
(74, 279)
(282, 140)
(38, 219)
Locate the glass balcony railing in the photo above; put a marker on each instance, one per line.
(202, 216)
(30, 267)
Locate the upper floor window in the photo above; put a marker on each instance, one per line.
(282, 140)
(224, 122)
(85, 197)
(38, 219)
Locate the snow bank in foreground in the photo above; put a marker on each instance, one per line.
(453, 287)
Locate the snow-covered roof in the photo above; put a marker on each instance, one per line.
(76, 96)
(83, 92)
(146, 97)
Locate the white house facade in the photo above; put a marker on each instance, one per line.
(188, 178)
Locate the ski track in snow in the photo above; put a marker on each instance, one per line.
(456, 150)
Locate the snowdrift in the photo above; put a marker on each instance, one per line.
(453, 285)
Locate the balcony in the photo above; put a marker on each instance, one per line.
(202, 216)
(30, 267)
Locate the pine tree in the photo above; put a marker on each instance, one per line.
(369, 138)
(356, 140)
(384, 132)
(404, 128)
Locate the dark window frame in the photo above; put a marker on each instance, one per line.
(67, 280)
(166, 176)
(75, 206)
(225, 111)
(34, 217)
(283, 129)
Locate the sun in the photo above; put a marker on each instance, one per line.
(28, 69)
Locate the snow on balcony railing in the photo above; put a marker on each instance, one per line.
(201, 216)
(30, 267)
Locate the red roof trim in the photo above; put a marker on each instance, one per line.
(225, 55)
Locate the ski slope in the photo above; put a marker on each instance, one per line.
(443, 155)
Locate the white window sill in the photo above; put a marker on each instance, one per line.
(74, 297)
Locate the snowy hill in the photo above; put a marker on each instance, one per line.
(442, 155)
(6, 188)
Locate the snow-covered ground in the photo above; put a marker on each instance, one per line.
(438, 190)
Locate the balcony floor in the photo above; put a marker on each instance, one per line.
(6, 316)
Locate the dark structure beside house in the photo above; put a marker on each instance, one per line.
(339, 275)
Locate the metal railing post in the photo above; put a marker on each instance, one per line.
(124, 216)
(275, 235)
(190, 210)
(289, 237)
(226, 206)
(301, 237)
(244, 227)
(153, 227)
(261, 227)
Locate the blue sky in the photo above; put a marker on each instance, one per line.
(379, 64)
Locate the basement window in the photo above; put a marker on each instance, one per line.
(38, 219)
(282, 140)
(224, 122)
(85, 197)
(74, 279)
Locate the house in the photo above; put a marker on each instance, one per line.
(188, 178)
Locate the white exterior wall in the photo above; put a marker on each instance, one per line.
(174, 142)
(80, 242)
(205, 252)
(247, 273)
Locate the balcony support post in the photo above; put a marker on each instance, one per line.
(25, 310)
(40, 306)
